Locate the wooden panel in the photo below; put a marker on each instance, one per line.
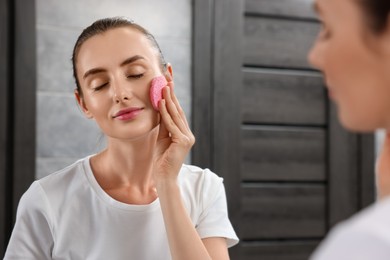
(283, 211)
(283, 97)
(202, 87)
(283, 153)
(285, 8)
(278, 43)
(4, 199)
(24, 87)
(226, 113)
(286, 250)
(367, 169)
(227, 81)
(343, 173)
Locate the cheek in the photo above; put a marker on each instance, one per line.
(364, 106)
(343, 64)
(141, 92)
(357, 87)
(98, 107)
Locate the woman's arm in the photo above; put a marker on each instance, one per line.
(174, 142)
(216, 246)
(184, 241)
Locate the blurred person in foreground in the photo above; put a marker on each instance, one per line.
(353, 52)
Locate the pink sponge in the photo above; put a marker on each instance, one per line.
(158, 83)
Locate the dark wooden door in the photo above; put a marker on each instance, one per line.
(4, 225)
(263, 122)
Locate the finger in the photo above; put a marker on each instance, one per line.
(187, 131)
(167, 120)
(171, 84)
(184, 140)
(163, 131)
(179, 109)
(173, 111)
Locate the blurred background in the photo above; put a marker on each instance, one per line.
(259, 111)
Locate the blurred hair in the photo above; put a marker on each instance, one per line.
(377, 12)
(103, 25)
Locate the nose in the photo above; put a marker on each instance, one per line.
(121, 94)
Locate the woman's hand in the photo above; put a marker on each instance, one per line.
(383, 169)
(175, 138)
(174, 141)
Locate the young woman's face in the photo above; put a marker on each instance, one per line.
(355, 63)
(115, 70)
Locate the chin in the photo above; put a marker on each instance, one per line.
(132, 133)
(354, 123)
(141, 132)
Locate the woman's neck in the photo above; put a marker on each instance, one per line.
(126, 164)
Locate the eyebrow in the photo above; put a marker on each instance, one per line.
(125, 62)
(131, 60)
(92, 72)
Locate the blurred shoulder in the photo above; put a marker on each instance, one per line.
(366, 235)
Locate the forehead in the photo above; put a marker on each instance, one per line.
(114, 46)
(329, 7)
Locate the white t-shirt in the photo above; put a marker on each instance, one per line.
(67, 215)
(365, 236)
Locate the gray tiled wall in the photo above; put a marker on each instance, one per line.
(63, 133)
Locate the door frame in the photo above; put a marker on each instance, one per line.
(217, 73)
(17, 109)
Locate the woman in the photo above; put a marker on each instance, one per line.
(135, 199)
(353, 52)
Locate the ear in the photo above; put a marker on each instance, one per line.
(81, 102)
(169, 73)
(385, 38)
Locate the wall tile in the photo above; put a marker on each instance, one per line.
(160, 17)
(46, 166)
(62, 129)
(54, 54)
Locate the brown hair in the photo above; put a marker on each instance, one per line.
(377, 12)
(103, 25)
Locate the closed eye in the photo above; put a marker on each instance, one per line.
(100, 87)
(135, 76)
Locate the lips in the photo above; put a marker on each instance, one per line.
(329, 88)
(127, 113)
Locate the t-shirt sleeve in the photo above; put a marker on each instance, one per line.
(31, 237)
(214, 220)
(350, 243)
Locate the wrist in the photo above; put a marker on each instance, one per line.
(169, 186)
